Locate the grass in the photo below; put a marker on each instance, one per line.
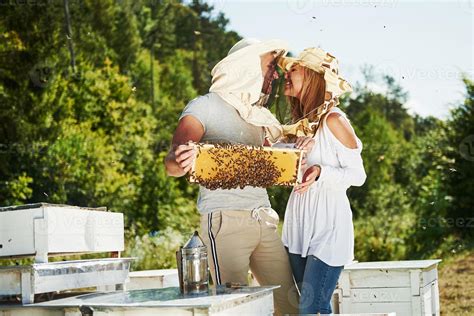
(456, 285)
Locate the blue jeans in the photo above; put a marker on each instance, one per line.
(316, 282)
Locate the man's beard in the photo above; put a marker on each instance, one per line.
(266, 89)
(267, 82)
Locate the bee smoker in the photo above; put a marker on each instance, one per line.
(193, 266)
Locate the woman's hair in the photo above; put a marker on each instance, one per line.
(311, 97)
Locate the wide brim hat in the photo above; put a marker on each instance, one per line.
(323, 63)
(327, 65)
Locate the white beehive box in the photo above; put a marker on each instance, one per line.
(63, 275)
(47, 229)
(404, 287)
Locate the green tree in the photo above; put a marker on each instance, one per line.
(98, 136)
(461, 171)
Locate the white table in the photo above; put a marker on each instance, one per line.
(167, 301)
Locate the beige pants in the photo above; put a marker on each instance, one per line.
(237, 240)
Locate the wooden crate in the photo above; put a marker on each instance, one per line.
(42, 230)
(404, 287)
(153, 279)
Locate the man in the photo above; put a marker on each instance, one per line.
(238, 226)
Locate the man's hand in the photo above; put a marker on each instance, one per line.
(185, 156)
(309, 178)
(180, 158)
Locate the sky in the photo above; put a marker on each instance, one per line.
(425, 45)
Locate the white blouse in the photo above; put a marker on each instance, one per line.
(319, 221)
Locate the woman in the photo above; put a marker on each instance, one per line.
(318, 229)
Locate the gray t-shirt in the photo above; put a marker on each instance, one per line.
(223, 124)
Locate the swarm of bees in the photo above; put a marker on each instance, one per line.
(231, 166)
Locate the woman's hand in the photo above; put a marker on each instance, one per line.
(309, 178)
(304, 143)
(304, 162)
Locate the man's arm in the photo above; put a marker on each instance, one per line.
(181, 156)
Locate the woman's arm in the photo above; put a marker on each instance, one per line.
(352, 172)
